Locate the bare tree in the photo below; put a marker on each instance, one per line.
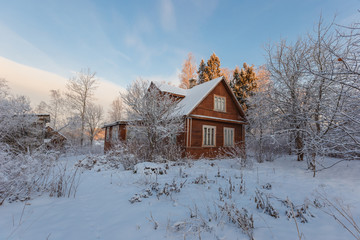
(285, 63)
(116, 108)
(56, 108)
(261, 126)
(80, 92)
(188, 71)
(155, 123)
(315, 97)
(93, 117)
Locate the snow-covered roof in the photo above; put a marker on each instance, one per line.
(192, 96)
(195, 95)
(170, 89)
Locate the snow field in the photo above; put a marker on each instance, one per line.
(186, 202)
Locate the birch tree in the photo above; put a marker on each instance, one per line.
(188, 71)
(80, 93)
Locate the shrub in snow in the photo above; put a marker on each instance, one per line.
(98, 162)
(22, 175)
(120, 156)
(159, 190)
(149, 168)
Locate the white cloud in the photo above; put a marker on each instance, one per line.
(167, 13)
(36, 83)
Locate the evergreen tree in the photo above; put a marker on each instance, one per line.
(212, 69)
(202, 75)
(244, 84)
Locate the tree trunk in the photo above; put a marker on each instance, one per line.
(299, 146)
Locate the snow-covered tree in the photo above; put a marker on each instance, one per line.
(243, 84)
(314, 95)
(80, 92)
(154, 123)
(18, 125)
(202, 75)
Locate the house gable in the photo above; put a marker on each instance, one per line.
(206, 107)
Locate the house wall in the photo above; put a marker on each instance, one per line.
(206, 107)
(195, 147)
(194, 126)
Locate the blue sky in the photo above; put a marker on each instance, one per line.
(122, 40)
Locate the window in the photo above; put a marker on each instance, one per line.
(219, 103)
(209, 135)
(228, 137)
(115, 133)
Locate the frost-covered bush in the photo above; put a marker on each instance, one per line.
(21, 175)
(122, 155)
(26, 174)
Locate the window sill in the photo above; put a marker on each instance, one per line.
(220, 111)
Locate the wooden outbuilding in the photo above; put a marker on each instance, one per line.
(214, 119)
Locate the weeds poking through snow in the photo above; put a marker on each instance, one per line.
(262, 202)
(152, 220)
(299, 212)
(240, 217)
(167, 189)
(341, 213)
(300, 235)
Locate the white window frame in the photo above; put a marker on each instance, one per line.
(229, 137)
(219, 103)
(208, 136)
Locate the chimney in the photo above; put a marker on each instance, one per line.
(192, 82)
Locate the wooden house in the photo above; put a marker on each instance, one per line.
(214, 119)
(54, 139)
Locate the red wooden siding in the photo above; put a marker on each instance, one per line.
(206, 107)
(195, 146)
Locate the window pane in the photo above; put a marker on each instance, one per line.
(204, 133)
(212, 136)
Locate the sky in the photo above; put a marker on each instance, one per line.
(123, 40)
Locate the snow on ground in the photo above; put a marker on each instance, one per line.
(184, 201)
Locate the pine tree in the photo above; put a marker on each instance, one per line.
(212, 69)
(244, 84)
(202, 75)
